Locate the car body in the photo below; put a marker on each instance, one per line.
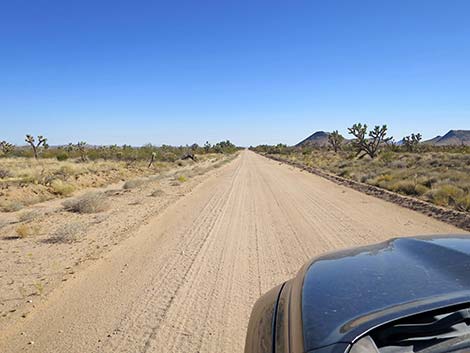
(395, 296)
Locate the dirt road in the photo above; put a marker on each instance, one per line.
(186, 281)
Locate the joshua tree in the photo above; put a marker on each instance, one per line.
(335, 139)
(207, 147)
(411, 142)
(369, 143)
(152, 159)
(6, 147)
(81, 148)
(42, 142)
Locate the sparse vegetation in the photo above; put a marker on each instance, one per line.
(26, 230)
(29, 216)
(61, 170)
(134, 183)
(438, 174)
(62, 188)
(91, 202)
(182, 179)
(67, 233)
(157, 193)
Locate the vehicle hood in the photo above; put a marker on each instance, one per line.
(345, 294)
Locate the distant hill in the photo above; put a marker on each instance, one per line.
(452, 138)
(319, 138)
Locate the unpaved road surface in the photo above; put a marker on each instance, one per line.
(186, 281)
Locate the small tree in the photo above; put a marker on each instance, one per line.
(335, 139)
(36, 146)
(369, 143)
(6, 147)
(152, 159)
(412, 142)
(81, 148)
(207, 147)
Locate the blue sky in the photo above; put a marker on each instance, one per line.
(178, 72)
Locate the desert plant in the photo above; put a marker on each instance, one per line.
(411, 142)
(4, 173)
(182, 179)
(81, 148)
(62, 156)
(152, 159)
(91, 202)
(335, 139)
(368, 143)
(26, 230)
(29, 216)
(6, 147)
(36, 146)
(207, 147)
(157, 193)
(67, 233)
(134, 183)
(62, 188)
(11, 206)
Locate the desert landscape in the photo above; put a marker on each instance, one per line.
(216, 176)
(173, 259)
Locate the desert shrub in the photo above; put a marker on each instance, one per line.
(157, 193)
(4, 173)
(29, 216)
(398, 164)
(62, 188)
(62, 156)
(134, 183)
(462, 203)
(421, 189)
(67, 233)
(26, 230)
(445, 194)
(406, 187)
(11, 206)
(387, 156)
(91, 202)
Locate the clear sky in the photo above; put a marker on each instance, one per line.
(178, 72)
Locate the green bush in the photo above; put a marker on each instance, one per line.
(62, 156)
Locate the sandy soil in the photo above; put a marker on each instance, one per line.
(186, 279)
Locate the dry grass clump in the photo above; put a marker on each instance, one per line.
(182, 179)
(27, 230)
(157, 193)
(11, 206)
(29, 216)
(134, 183)
(62, 188)
(4, 173)
(91, 202)
(67, 233)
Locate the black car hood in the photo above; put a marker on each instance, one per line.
(347, 293)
